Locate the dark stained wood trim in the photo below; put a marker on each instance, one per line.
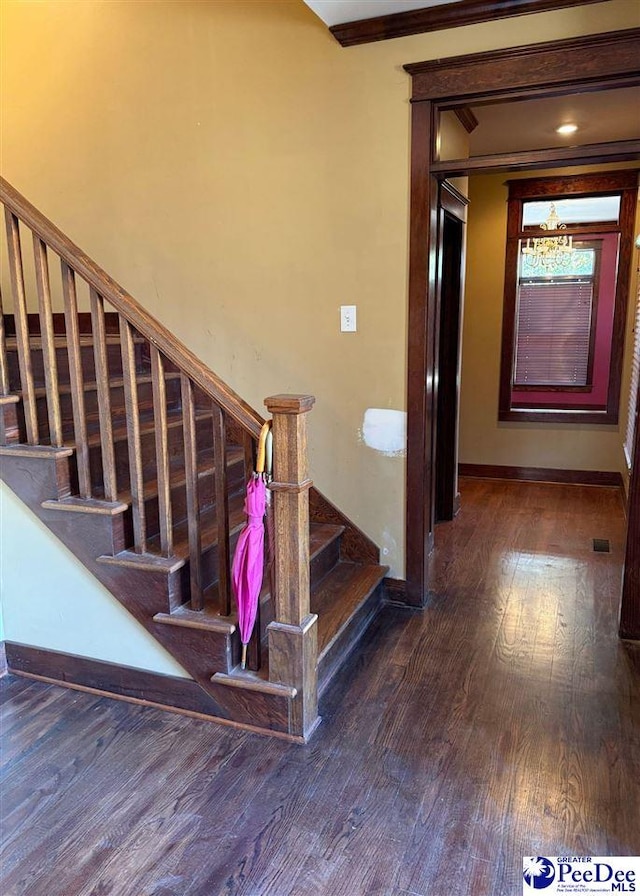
(577, 63)
(421, 358)
(395, 590)
(574, 185)
(449, 15)
(630, 607)
(84, 323)
(466, 118)
(542, 474)
(453, 201)
(593, 153)
(450, 290)
(355, 545)
(594, 62)
(168, 692)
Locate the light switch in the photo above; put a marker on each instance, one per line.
(347, 318)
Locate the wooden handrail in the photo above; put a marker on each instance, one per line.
(136, 315)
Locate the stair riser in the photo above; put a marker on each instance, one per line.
(9, 425)
(323, 562)
(206, 495)
(175, 444)
(145, 402)
(62, 361)
(209, 564)
(201, 650)
(320, 565)
(35, 480)
(347, 641)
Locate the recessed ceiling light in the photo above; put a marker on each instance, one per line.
(567, 129)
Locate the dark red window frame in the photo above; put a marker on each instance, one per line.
(600, 402)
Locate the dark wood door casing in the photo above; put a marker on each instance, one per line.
(451, 248)
(591, 63)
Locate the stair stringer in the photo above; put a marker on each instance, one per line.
(40, 477)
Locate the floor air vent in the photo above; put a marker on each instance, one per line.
(602, 545)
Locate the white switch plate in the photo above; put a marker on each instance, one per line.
(347, 318)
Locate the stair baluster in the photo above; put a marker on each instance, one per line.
(4, 367)
(222, 507)
(8, 402)
(162, 452)
(193, 504)
(249, 454)
(76, 379)
(48, 341)
(104, 396)
(132, 413)
(22, 328)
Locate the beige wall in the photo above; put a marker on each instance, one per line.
(243, 176)
(484, 440)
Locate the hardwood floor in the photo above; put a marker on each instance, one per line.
(502, 721)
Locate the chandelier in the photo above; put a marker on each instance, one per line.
(549, 251)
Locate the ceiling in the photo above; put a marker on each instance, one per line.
(601, 117)
(337, 12)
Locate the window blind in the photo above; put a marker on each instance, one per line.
(633, 389)
(553, 332)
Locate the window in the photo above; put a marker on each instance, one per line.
(555, 323)
(566, 284)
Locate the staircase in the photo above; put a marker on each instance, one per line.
(136, 456)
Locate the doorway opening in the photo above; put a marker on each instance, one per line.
(589, 64)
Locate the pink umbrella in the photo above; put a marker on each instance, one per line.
(248, 561)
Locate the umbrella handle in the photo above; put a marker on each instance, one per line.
(262, 441)
(269, 455)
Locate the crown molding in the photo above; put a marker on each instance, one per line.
(436, 18)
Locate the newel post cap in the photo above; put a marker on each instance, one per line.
(289, 404)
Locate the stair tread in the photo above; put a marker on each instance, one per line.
(206, 467)
(91, 385)
(339, 594)
(208, 528)
(255, 681)
(207, 618)
(120, 432)
(36, 340)
(21, 450)
(147, 425)
(76, 504)
(320, 534)
(148, 561)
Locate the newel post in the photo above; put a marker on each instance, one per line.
(293, 635)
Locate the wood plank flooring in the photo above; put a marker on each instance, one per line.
(502, 721)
